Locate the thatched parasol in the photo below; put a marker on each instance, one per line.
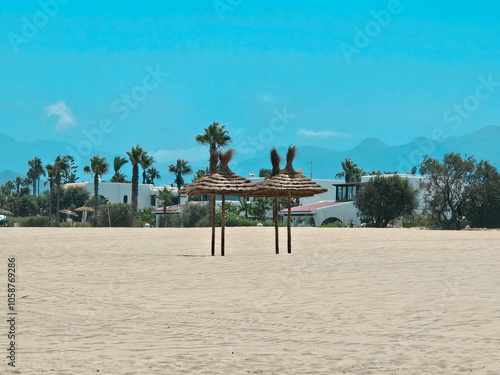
(224, 181)
(85, 210)
(288, 183)
(6, 212)
(68, 212)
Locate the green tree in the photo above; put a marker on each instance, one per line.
(70, 175)
(18, 182)
(50, 180)
(180, 169)
(59, 170)
(22, 205)
(98, 167)
(245, 206)
(264, 172)
(446, 186)
(35, 171)
(351, 172)
(119, 162)
(152, 175)
(215, 137)
(136, 156)
(482, 203)
(385, 198)
(146, 162)
(165, 197)
(260, 206)
(199, 174)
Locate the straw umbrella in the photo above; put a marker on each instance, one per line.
(224, 181)
(6, 212)
(85, 210)
(288, 183)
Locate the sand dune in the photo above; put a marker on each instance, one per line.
(152, 301)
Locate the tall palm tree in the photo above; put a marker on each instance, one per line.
(118, 162)
(98, 167)
(180, 169)
(61, 168)
(35, 171)
(153, 174)
(50, 179)
(165, 197)
(135, 155)
(146, 162)
(18, 182)
(215, 136)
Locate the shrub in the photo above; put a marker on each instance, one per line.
(120, 213)
(335, 224)
(416, 219)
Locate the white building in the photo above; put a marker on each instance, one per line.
(116, 192)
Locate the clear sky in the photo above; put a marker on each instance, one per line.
(323, 73)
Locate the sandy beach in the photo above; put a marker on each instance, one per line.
(152, 301)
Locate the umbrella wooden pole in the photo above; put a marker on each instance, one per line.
(213, 225)
(223, 224)
(289, 223)
(276, 238)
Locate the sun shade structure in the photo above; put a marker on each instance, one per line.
(85, 211)
(220, 182)
(68, 212)
(6, 212)
(287, 183)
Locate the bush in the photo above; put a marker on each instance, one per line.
(195, 215)
(416, 219)
(335, 224)
(31, 221)
(120, 213)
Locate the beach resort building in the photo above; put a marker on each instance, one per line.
(116, 192)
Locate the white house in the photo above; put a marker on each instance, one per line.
(116, 192)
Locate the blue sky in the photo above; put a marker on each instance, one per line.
(322, 73)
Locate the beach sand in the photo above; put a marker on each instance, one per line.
(152, 301)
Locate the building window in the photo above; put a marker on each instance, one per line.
(153, 200)
(125, 199)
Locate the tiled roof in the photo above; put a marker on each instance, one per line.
(75, 184)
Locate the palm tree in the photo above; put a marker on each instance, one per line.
(199, 174)
(58, 170)
(35, 171)
(135, 155)
(118, 162)
(351, 173)
(98, 167)
(50, 180)
(165, 197)
(18, 182)
(146, 162)
(8, 187)
(215, 136)
(153, 174)
(178, 170)
(245, 206)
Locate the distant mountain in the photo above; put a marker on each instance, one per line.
(370, 154)
(9, 176)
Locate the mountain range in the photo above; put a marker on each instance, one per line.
(370, 154)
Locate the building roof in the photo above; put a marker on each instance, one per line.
(75, 184)
(314, 206)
